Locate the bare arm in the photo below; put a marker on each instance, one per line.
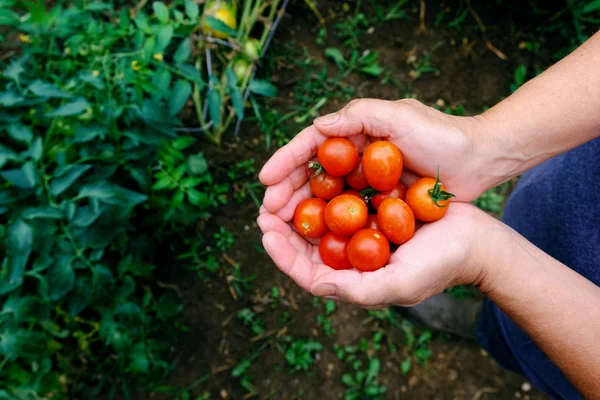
(549, 115)
(558, 308)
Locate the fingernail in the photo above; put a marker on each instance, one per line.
(328, 119)
(324, 290)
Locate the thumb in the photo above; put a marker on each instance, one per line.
(373, 117)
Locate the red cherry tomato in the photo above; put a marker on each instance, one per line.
(398, 191)
(332, 249)
(372, 222)
(356, 179)
(368, 250)
(325, 186)
(355, 193)
(428, 199)
(396, 220)
(338, 156)
(382, 165)
(309, 218)
(346, 214)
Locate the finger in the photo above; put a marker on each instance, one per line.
(272, 223)
(287, 211)
(366, 289)
(373, 117)
(291, 262)
(291, 156)
(278, 195)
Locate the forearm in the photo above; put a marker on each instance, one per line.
(551, 114)
(558, 308)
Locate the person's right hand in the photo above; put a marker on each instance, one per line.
(427, 138)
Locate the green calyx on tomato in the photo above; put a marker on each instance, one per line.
(437, 194)
(369, 193)
(317, 167)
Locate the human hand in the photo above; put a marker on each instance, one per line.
(445, 253)
(435, 257)
(426, 137)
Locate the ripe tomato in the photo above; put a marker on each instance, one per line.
(338, 156)
(355, 193)
(325, 186)
(382, 165)
(309, 218)
(428, 199)
(224, 12)
(368, 250)
(372, 222)
(398, 191)
(356, 179)
(346, 214)
(332, 249)
(396, 220)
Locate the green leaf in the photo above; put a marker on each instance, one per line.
(179, 96)
(36, 149)
(336, 55)
(20, 133)
(8, 18)
(191, 9)
(197, 198)
(238, 103)
(196, 164)
(11, 98)
(139, 358)
(85, 134)
(183, 51)
(164, 38)
(111, 194)
(80, 296)
(15, 69)
(67, 178)
(86, 215)
(141, 21)
(214, 108)
(183, 142)
(19, 242)
(24, 178)
(45, 89)
(161, 11)
(72, 108)
(218, 25)
(60, 279)
(263, 88)
(231, 78)
(591, 7)
(6, 155)
(43, 212)
(405, 366)
(371, 69)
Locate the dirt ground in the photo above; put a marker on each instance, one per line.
(470, 75)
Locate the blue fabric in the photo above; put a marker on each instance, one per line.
(555, 206)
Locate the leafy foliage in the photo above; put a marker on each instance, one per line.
(93, 175)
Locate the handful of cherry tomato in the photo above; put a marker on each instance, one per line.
(346, 186)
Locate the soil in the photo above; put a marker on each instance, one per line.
(470, 75)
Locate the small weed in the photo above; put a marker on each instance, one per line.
(242, 169)
(300, 353)
(275, 296)
(519, 78)
(251, 320)
(363, 384)
(462, 291)
(239, 283)
(324, 320)
(224, 239)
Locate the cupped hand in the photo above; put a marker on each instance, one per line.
(427, 138)
(441, 254)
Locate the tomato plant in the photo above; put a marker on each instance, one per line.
(338, 156)
(428, 199)
(356, 178)
(382, 165)
(368, 250)
(346, 214)
(398, 191)
(396, 220)
(333, 251)
(309, 218)
(326, 186)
